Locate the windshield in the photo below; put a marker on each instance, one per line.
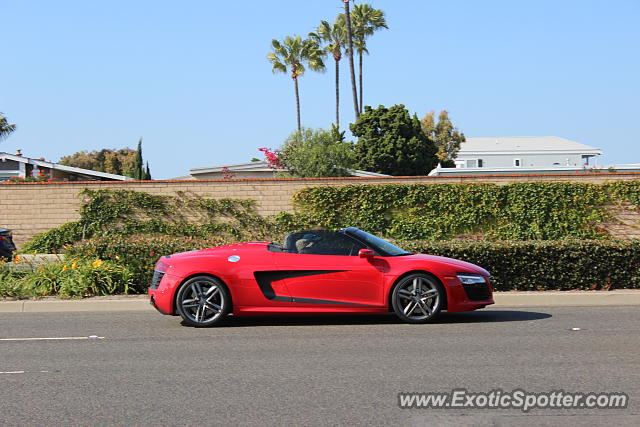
(381, 246)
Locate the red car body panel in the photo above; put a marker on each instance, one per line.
(262, 281)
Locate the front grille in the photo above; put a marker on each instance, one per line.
(157, 277)
(477, 291)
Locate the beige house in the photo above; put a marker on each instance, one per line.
(250, 170)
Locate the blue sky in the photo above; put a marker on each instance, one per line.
(192, 78)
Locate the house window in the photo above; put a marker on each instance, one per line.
(472, 163)
(517, 162)
(479, 163)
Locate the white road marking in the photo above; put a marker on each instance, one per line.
(12, 372)
(23, 372)
(91, 337)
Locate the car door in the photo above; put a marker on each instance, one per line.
(330, 272)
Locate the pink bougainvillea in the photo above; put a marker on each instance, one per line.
(272, 158)
(227, 174)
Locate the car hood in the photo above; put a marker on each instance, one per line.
(223, 250)
(462, 266)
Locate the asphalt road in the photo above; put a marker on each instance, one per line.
(150, 370)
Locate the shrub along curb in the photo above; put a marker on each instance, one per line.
(140, 303)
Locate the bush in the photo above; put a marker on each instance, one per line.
(521, 211)
(138, 253)
(546, 265)
(74, 278)
(124, 213)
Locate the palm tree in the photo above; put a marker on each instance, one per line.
(347, 16)
(293, 53)
(335, 37)
(366, 21)
(5, 128)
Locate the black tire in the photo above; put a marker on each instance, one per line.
(203, 301)
(417, 298)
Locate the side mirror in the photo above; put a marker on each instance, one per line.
(366, 253)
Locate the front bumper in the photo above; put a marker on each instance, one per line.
(468, 297)
(161, 293)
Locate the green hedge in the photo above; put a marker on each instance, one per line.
(546, 265)
(532, 265)
(520, 211)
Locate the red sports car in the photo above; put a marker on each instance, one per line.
(315, 272)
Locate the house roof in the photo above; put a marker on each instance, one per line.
(70, 169)
(263, 166)
(525, 144)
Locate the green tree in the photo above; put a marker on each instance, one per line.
(391, 141)
(366, 21)
(347, 15)
(112, 163)
(317, 153)
(335, 38)
(138, 171)
(445, 136)
(147, 173)
(293, 53)
(6, 129)
(122, 161)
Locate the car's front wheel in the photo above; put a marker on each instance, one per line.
(417, 298)
(203, 301)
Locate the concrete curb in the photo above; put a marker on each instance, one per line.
(140, 303)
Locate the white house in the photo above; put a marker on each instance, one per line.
(520, 154)
(19, 166)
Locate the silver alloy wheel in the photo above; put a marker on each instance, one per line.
(417, 297)
(202, 301)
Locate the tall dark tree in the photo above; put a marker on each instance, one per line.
(354, 90)
(6, 128)
(335, 38)
(293, 53)
(366, 21)
(147, 173)
(139, 164)
(391, 141)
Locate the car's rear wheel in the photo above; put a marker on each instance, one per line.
(417, 298)
(203, 301)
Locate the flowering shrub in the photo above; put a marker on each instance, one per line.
(74, 278)
(138, 253)
(42, 177)
(227, 174)
(272, 157)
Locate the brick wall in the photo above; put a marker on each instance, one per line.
(32, 208)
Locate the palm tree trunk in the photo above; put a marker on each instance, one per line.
(361, 98)
(354, 90)
(295, 85)
(338, 94)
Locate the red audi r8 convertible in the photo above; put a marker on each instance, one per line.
(315, 272)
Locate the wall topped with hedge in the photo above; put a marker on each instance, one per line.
(32, 208)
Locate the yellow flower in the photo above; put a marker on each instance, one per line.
(97, 263)
(65, 268)
(74, 265)
(17, 260)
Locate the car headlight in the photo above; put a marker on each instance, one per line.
(471, 279)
